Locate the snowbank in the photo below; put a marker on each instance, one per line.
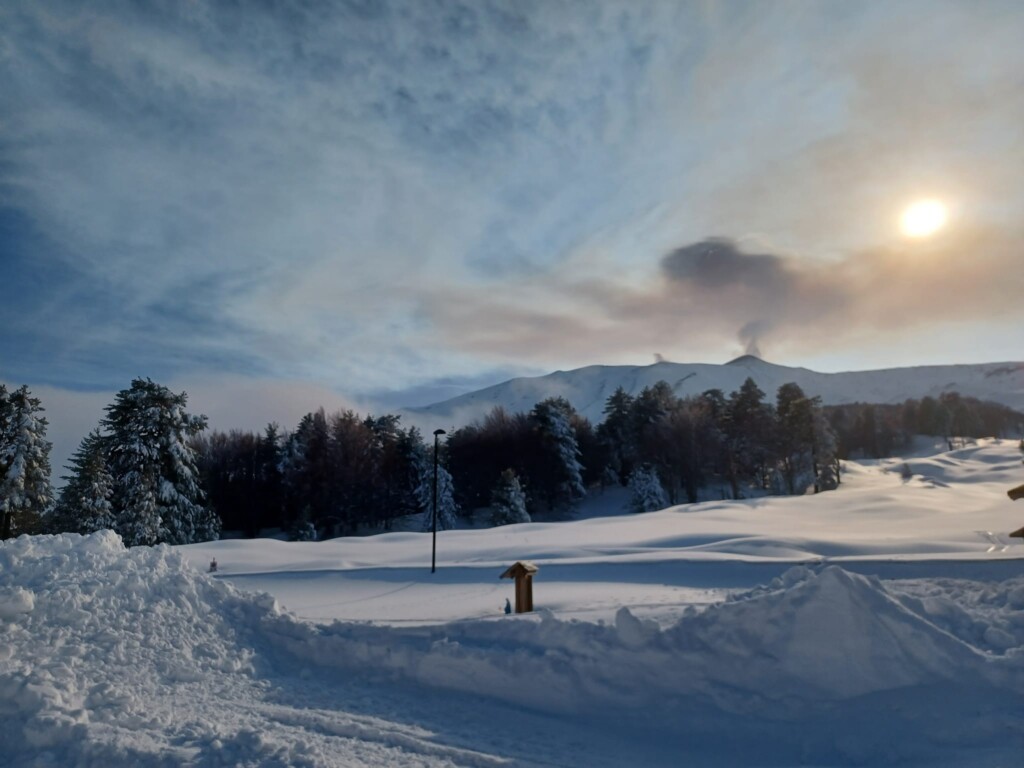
(110, 655)
(14, 601)
(807, 638)
(97, 642)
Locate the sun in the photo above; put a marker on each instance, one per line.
(923, 218)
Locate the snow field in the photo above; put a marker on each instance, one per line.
(704, 640)
(130, 655)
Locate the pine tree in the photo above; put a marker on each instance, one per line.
(271, 483)
(653, 403)
(85, 504)
(617, 434)
(447, 509)
(307, 464)
(824, 453)
(408, 462)
(794, 435)
(5, 438)
(302, 529)
(748, 425)
(390, 452)
(647, 495)
(553, 420)
(508, 502)
(25, 491)
(156, 483)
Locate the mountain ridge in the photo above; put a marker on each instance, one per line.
(588, 388)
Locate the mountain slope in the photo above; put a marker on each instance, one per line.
(588, 388)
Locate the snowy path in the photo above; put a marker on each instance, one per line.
(404, 596)
(656, 590)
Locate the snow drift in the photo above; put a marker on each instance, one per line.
(807, 638)
(97, 641)
(113, 654)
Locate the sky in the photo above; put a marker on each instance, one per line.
(280, 205)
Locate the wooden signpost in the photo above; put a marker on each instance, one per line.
(522, 572)
(1014, 494)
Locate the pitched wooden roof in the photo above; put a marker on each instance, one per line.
(519, 568)
(1016, 493)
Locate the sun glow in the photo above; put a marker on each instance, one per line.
(923, 218)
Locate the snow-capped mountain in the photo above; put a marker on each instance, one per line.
(588, 388)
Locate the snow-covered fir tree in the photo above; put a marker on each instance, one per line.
(25, 491)
(646, 493)
(410, 459)
(302, 529)
(618, 433)
(553, 418)
(85, 503)
(609, 478)
(447, 508)
(826, 446)
(508, 502)
(306, 466)
(156, 483)
(5, 421)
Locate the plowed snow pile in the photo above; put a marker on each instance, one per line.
(110, 655)
(100, 644)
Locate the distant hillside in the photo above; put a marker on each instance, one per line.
(588, 388)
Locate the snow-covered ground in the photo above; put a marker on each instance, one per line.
(879, 624)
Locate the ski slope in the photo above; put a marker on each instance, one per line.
(882, 623)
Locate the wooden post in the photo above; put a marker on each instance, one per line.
(522, 572)
(1014, 494)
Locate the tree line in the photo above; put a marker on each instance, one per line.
(666, 448)
(875, 431)
(333, 474)
(151, 471)
(135, 473)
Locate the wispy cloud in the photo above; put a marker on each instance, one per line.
(285, 177)
(373, 196)
(714, 295)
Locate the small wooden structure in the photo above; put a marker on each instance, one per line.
(522, 572)
(1014, 494)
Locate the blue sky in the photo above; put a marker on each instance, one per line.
(388, 202)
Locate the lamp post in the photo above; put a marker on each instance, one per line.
(433, 551)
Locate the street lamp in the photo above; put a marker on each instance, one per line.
(433, 552)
